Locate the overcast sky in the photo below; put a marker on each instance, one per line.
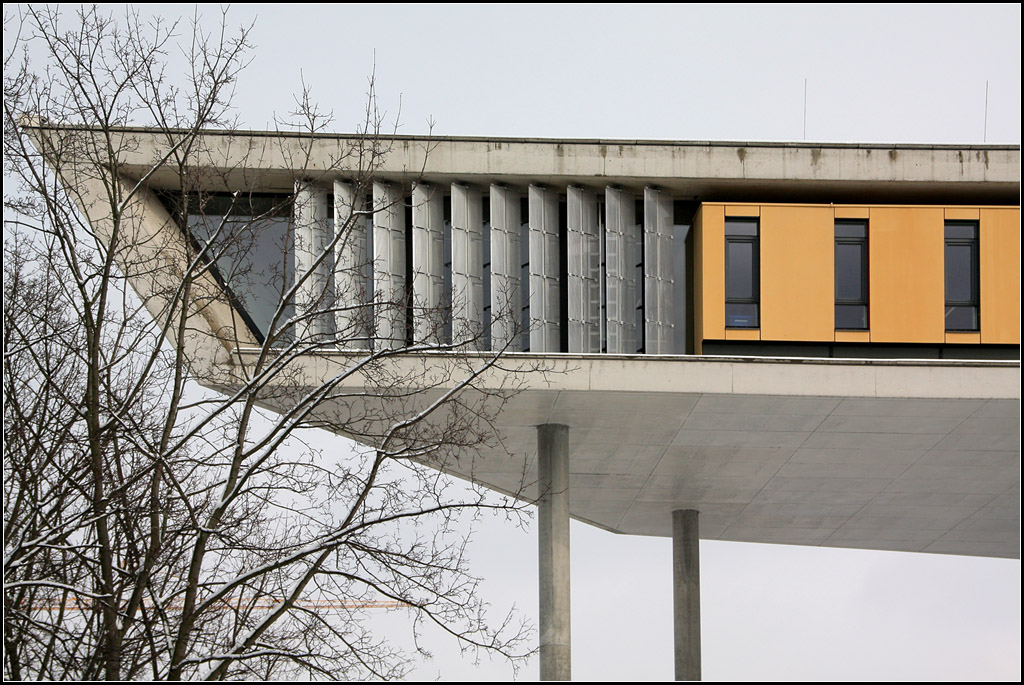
(874, 74)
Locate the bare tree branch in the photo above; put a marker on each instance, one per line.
(165, 515)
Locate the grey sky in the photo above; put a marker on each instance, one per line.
(875, 74)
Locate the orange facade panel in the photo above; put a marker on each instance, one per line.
(797, 273)
(711, 247)
(999, 248)
(849, 212)
(906, 274)
(853, 336)
(962, 213)
(697, 238)
(905, 271)
(961, 338)
(742, 334)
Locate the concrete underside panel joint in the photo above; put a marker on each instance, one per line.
(553, 557)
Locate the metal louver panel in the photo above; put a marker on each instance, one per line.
(312, 265)
(467, 267)
(658, 281)
(506, 299)
(389, 265)
(622, 243)
(583, 243)
(544, 271)
(429, 314)
(351, 290)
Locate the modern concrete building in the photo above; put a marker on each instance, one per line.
(813, 344)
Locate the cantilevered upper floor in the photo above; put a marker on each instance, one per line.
(666, 287)
(798, 249)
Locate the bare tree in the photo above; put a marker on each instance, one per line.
(157, 529)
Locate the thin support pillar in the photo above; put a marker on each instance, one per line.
(553, 520)
(686, 595)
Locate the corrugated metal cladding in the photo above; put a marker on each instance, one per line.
(467, 296)
(545, 270)
(389, 277)
(583, 277)
(622, 253)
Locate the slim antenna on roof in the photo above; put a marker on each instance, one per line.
(805, 106)
(985, 136)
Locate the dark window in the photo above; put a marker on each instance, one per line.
(742, 273)
(852, 275)
(247, 240)
(962, 276)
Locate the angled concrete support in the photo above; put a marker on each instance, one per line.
(686, 593)
(553, 524)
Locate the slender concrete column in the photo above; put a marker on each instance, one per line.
(553, 520)
(686, 594)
